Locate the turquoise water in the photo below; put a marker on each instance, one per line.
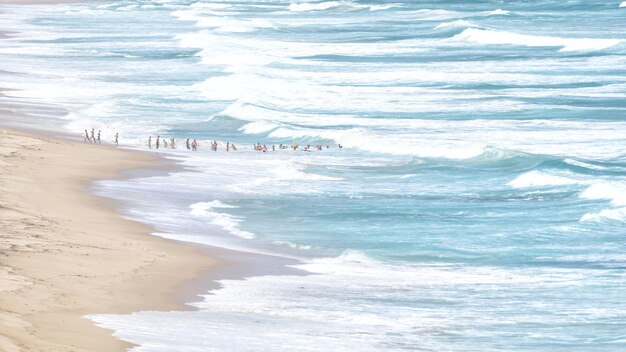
(479, 202)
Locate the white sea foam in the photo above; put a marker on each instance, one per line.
(228, 222)
(306, 6)
(595, 190)
(30, 50)
(186, 15)
(499, 12)
(382, 7)
(225, 50)
(333, 308)
(261, 126)
(296, 173)
(293, 245)
(458, 139)
(204, 5)
(615, 193)
(458, 23)
(438, 14)
(361, 138)
(201, 207)
(616, 214)
(94, 111)
(339, 309)
(492, 37)
(235, 86)
(355, 266)
(541, 179)
(223, 24)
(623, 4)
(442, 15)
(261, 174)
(584, 164)
(247, 61)
(222, 50)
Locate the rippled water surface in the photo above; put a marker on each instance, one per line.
(479, 201)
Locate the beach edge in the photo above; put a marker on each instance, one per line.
(66, 253)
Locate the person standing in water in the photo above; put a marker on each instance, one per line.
(187, 144)
(93, 137)
(173, 143)
(99, 142)
(87, 139)
(227, 146)
(194, 145)
(117, 139)
(158, 142)
(150, 142)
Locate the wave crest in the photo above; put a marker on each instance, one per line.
(458, 23)
(305, 6)
(491, 37)
(228, 222)
(541, 179)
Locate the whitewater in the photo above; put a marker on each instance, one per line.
(478, 202)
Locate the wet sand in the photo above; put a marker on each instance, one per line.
(65, 253)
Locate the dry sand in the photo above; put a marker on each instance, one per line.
(65, 253)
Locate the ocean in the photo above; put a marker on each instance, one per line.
(478, 202)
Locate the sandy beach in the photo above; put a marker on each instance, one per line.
(459, 181)
(65, 253)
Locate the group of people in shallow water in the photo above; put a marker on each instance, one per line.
(263, 148)
(93, 138)
(162, 143)
(192, 144)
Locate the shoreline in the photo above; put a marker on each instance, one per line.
(63, 259)
(54, 263)
(56, 268)
(67, 253)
